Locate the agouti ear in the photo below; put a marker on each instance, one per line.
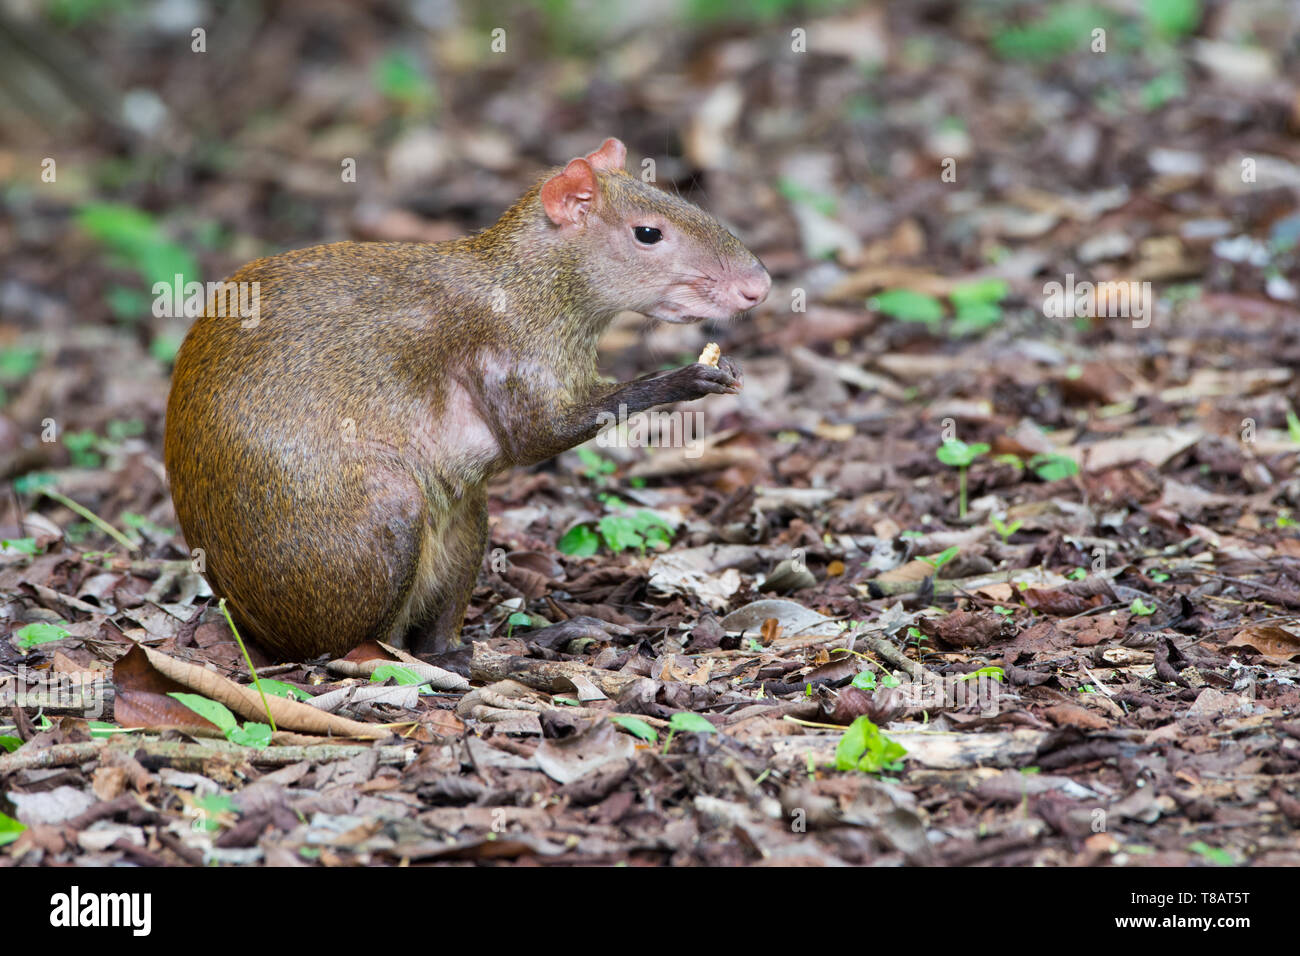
(568, 196)
(611, 155)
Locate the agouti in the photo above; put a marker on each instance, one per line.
(330, 459)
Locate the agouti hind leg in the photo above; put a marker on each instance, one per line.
(450, 557)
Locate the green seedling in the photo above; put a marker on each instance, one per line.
(796, 192)
(1140, 609)
(977, 305)
(1078, 574)
(1005, 530)
(252, 671)
(1052, 36)
(636, 727)
(251, 734)
(864, 748)
(1004, 611)
(278, 688)
(1160, 577)
(908, 306)
(1293, 426)
(595, 467)
(937, 561)
(865, 681)
(211, 806)
(687, 722)
(518, 619)
(399, 77)
(21, 545)
(1053, 467)
(134, 240)
(404, 676)
(10, 829)
(1215, 855)
(41, 632)
(959, 455)
(993, 673)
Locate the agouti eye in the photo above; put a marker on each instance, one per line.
(647, 235)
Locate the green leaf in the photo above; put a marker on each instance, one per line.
(1140, 609)
(1172, 19)
(975, 317)
(209, 710)
(400, 77)
(1162, 89)
(580, 541)
(996, 673)
(102, 730)
(1065, 29)
(688, 722)
(9, 744)
(9, 829)
(958, 454)
(1078, 574)
(866, 680)
(164, 347)
(21, 545)
(39, 633)
(1005, 530)
(594, 465)
(1292, 426)
(279, 688)
(943, 557)
(796, 192)
(863, 747)
(636, 727)
(1053, 467)
(403, 675)
(907, 306)
(981, 291)
(138, 242)
(17, 362)
(251, 735)
(1214, 854)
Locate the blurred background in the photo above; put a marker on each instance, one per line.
(912, 173)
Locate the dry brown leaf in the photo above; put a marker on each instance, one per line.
(246, 702)
(1277, 644)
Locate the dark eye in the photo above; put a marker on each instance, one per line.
(647, 235)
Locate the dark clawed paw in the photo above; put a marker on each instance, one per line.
(732, 368)
(700, 380)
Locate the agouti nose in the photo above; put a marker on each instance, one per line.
(752, 288)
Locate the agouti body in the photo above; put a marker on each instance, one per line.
(331, 460)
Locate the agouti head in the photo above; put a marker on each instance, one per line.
(639, 248)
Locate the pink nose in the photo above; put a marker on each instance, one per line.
(752, 288)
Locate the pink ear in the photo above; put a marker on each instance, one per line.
(611, 155)
(567, 196)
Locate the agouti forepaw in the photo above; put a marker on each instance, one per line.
(699, 380)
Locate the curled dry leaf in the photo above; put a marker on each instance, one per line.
(144, 677)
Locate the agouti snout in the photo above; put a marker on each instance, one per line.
(330, 459)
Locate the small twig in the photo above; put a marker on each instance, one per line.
(93, 518)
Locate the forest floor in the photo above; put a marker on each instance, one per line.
(975, 570)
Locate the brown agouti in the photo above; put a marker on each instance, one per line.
(330, 458)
